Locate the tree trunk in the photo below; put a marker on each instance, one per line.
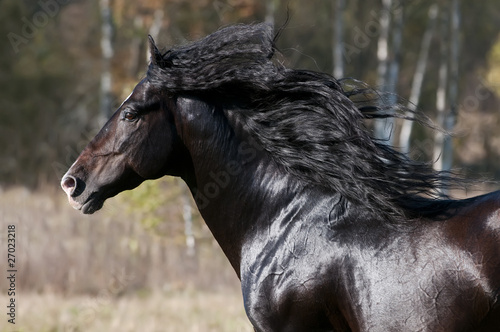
(441, 94)
(383, 43)
(154, 29)
(384, 128)
(449, 123)
(270, 10)
(107, 54)
(382, 57)
(187, 215)
(135, 48)
(418, 78)
(338, 27)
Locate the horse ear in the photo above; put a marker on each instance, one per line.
(156, 56)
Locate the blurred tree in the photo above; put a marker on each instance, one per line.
(107, 55)
(338, 31)
(455, 49)
(382, 129)
(418, 79)
(448, 89)
(441, 101)
(270, 11)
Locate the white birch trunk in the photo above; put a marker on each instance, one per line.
(270, 10)
(383, 43)
(154, 29)
(385, 127)
(107, 54)
(382, 57)
(441, 94)
(418, 78)
(187, 215)
(338, 27)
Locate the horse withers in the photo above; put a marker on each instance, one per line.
(327, 228)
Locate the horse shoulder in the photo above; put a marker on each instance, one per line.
(286, 269)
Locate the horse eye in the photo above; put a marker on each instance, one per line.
(130, 116)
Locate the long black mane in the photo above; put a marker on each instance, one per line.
(306, 121)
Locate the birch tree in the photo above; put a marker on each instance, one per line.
(187, 215)
(383, 42)
(155, 27)
(418, 78)
(270, 10)
(382, 57)
(107, 54)
(441, 93)
(393, 72)
(443, 148)
(338, 30)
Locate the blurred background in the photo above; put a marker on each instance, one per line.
(146, 261)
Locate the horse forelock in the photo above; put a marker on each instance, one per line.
(305, 120)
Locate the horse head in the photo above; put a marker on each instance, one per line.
(134, 145)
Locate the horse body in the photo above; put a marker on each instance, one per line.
(304, 249)
(310, 257)
(326, 275)
(306, 264)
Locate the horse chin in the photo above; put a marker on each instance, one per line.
(92, 205)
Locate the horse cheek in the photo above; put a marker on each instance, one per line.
(150, 156)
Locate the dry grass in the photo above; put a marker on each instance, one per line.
(60, 250)
(105, 272)
(189, 311)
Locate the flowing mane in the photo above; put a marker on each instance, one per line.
(304, 119)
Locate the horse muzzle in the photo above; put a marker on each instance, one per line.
(69, 185)
(86, 201)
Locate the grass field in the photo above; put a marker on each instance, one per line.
(107, 272)
(185, 311)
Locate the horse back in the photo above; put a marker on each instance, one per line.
(444, 275)
(475, 227)
(475, 230)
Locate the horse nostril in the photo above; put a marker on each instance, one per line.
(68, 184)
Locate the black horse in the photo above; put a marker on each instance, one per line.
(328, 228)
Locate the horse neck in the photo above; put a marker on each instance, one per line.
(236, 186)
